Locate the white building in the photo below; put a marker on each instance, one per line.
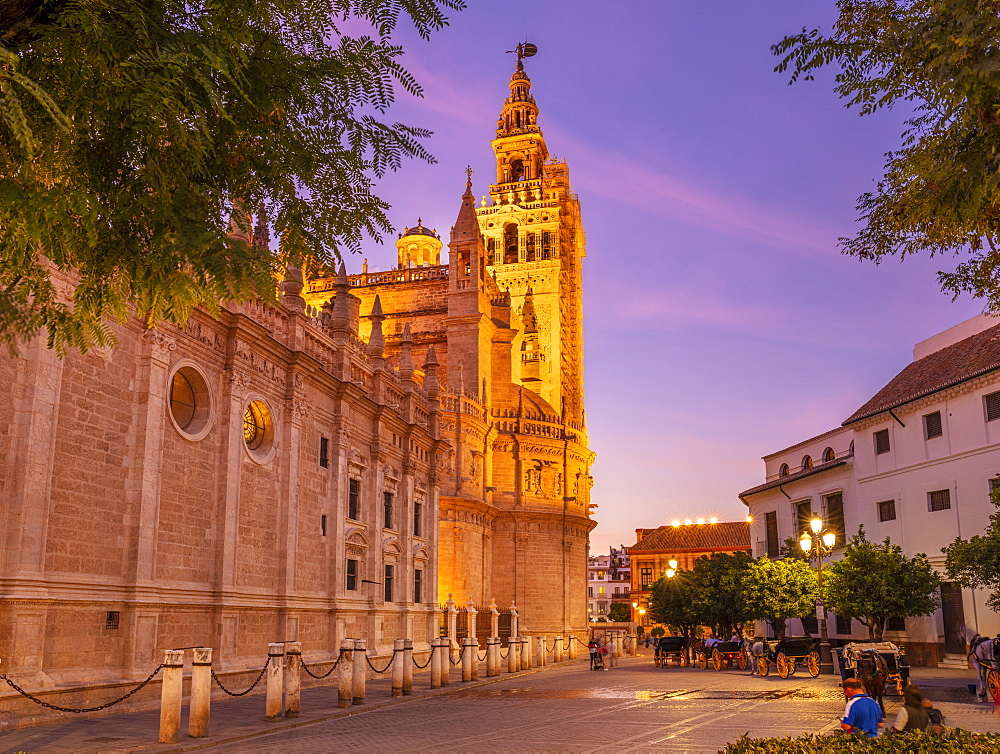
(916, 464)
(608, 578)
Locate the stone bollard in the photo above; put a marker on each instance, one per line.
(275, 681)
(572, 646)
(407, 667)
(634, 644)
(435, 663)
(360, 672)
(513, 645)
(445, 649)
(201, 693)
(492, 656)
(397, 667)
(525, 653)
(345, 682)
(170, 696)
(468, 654)
(293, 678)
(557, 648)
(541, 651)
(475, 659)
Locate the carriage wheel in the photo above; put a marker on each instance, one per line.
(742, 661)
(682, 660)
(812, 663)
(763, 666)
(702, 660)
(785, 666)
(716, 660)
(993, 684)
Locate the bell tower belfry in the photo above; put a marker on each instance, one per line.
(535, 247)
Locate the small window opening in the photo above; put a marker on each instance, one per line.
(322, 525)
(324, 452)
(113, 619)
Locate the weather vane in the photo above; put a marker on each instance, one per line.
(524, 50)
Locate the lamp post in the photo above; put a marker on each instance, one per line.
(816, 545)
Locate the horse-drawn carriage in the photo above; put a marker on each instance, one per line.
(985, 652)
(786, 654)
(669, 648)
(721, 655)
(863, 659)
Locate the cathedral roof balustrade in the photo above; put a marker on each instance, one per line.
(461, 403)
(389, 277)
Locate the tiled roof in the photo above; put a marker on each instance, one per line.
(730, 535)
(819, 467)
(972, 357)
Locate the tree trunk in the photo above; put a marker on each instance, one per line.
(778, 627)
(878, 626)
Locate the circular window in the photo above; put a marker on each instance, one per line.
(190, 402)
(258, 429)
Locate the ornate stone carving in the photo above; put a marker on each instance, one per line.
(158, 345)
(239, 382)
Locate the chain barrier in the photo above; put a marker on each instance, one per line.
(483, 658)
(387, 665)
(502, 655)
(578, 641)
(80, 710)
(461, 654)
(241, 693)
(327, 673)
(551, 650)
(421, 667)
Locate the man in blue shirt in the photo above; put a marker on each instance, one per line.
(862, 714)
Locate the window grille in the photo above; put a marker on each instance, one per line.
(418, 583)
(835, 515)
(881, 442)
(352, 575)
(353, 498)
(992, 402)
(803, 515)
(939, 500)
(387, 582)
(932, 425)
(387, 510)
(418, 512)
(324, 452)
(113, 619)
(887, 510)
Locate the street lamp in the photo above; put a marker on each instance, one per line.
(816, 545)
(671, 569)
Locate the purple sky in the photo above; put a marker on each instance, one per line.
(722, 323)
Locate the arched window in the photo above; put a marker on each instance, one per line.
(517, 170)
(510, 243)
(783, 471)
(828, 454)
(529, 252)
(852, 447)
(807, 462)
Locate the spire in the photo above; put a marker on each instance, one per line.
(406, 354)
(261, 235)
(520, 113)
(466, 226)
(340, 314)
(291, 287)
(376, 342)
(431, 384)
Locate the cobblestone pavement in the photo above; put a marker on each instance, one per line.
(632, 707)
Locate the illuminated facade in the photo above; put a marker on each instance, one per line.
(501, 321)
(677, 546)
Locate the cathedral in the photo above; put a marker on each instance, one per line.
(502, 324)
(333, 464)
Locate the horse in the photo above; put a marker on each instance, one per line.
(873, 672)
(984, 651)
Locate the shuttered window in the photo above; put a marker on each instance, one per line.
(881, 442)
(353, 498)
(932, 425)
(992, 402)
(803, 515)
(939, 500)
(771, 527)
(887, 510)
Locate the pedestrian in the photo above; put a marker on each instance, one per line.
(603, 652)
(913, 714)
(592, 648)
(862, 714)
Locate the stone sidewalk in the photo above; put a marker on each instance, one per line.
(562, 707)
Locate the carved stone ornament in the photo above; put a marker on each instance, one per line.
(158, 345)
(239, 382)
(298, 410)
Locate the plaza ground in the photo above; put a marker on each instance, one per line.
(566, 707)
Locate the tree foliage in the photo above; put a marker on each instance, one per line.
(776, 590)
(671, 602)
(718, 591)
(975, 562)
(873, 582)
(130, 131)
(619, 612)
(940, 191)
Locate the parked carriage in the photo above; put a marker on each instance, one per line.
(787, 654)
(670, 648)
(721, 655)
(897, 668)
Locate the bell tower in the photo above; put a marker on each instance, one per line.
(535, 247)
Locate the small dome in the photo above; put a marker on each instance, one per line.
(420, 230)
